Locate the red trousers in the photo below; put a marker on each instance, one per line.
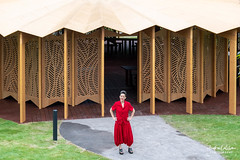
(123, 133)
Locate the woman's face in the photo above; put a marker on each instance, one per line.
(122, 97)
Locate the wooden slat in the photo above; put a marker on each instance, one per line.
(226, 68)
(22, 78)
(139, 68)
(214, 85)
(1, 65)
(73, 69)
(168, 66)
(65, 75)
(40, 71)
(201, 65)
(152, 73)
(102, 71)
(189, 68)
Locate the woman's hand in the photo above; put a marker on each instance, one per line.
(115, 118)
(129, 118)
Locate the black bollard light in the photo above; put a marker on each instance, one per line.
(55, 125)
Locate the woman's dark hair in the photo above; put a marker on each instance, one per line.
(123, 92)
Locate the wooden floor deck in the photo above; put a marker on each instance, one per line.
(114, 82)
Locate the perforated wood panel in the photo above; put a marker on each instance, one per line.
(196, 66)
(87, 51)
(208, 64)
(178, 66)
(146, 64)
(10, 66)
(161, 65)
(31, 71)
(221, 67)
(53, 69)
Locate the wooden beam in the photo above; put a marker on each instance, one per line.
(189, 68)
(226, 67)
(73, 69)
(40, 71)
(102, 71)
(201, 65)
(168, 66)
(22, 78)
(139, 68)
(65, 75)
(1, 65)
(214, 82)
(152, 72)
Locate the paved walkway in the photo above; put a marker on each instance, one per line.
(153, 140)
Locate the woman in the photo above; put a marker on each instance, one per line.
(122, 128)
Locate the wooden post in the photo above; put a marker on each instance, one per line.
(214, 83)
(40, 71)
(102, 71)
(201, 65)
(65, 75)
(1, 65)
(233, 72)
(139, 68)
(168, 66)
(232, 36)
(152, 73)
(226, 67)
(189, 68)
(73, 69)
(22, 78)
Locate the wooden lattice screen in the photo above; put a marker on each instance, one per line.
(10, 66)
(208, 64)
(178, 66)
(52, 71)
(161, 65)
(87, 63)
(220, 64)
(146, 64)
(31, 71)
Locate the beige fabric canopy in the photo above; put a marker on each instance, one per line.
(42, 17)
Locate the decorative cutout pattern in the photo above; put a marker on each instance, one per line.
(146, 65)
(208, 63)
(31, 68)
(178, 66)
(87, 71)
(10, 66)
(221, 54)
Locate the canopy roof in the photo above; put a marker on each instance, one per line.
(42, 17)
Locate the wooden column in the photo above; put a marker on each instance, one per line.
(152, 72)
(168, 66)
(189, 68)
(73, 69)
(233, 72)
(214, 83)
(232, 36)
(1, 65)
(139, 68)
(102, 71)
(226, 67)
(201, 65)
(22, 78)
(65, 75)
(40, 71)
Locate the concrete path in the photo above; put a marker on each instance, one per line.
(153, 140)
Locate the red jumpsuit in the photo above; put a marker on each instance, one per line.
(122, 128)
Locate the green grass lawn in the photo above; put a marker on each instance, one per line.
(34, 141)
(219, 132)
